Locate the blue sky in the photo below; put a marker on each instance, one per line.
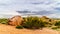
(50, 8)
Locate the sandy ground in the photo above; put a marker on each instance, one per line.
(6, 29)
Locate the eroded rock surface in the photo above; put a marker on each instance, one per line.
(16, 20)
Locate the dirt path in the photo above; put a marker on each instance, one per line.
(6, 29)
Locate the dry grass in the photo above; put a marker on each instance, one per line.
(6, 29)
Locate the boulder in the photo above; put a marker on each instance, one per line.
(16, 20)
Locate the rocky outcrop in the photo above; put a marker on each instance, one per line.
(16, 20)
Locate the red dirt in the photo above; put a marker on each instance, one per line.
(6, 29)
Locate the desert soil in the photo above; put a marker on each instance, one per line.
(7, 29)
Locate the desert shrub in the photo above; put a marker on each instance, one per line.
(57, 24)
(19, 27)
(33, 23)
(56, 28)
(4, 21)
(27, 25)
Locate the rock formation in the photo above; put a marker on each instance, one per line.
(16, 20)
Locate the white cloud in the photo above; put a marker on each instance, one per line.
(11, 6)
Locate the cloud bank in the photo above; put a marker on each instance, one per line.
(49, 8)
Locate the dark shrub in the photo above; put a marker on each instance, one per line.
(57, 24)
(19, 27)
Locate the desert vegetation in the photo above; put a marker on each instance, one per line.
(4, 20)
(35, 22)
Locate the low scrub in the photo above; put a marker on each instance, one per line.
(19, 27)
(33, 23)
(57, 24)
(4, 21)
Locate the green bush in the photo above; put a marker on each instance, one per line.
(33, 23)
(57, 24)
(4, 21)
(19, 27)
(27, 25)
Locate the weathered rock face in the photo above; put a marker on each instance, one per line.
(16, 20)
